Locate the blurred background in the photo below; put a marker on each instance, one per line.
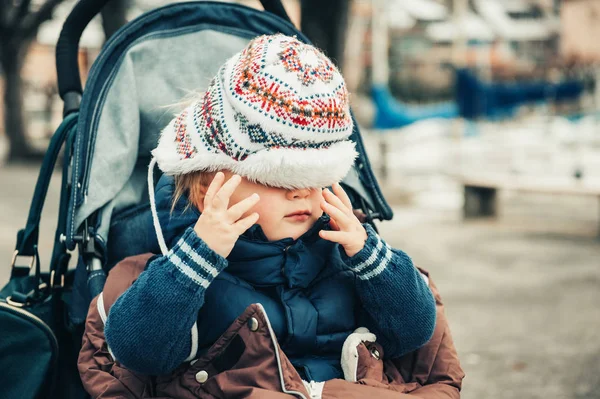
(482, 121)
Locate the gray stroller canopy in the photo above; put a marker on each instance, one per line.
(134, 89)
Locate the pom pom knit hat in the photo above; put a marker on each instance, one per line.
(276, 113)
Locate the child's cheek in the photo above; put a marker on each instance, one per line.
(263, 211)
(318, 212)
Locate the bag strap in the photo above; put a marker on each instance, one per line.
(59, 263)
(27, 238)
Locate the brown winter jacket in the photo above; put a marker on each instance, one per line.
(247, 362)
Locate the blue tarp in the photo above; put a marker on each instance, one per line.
(478, 99)
(391, 113)
(474, 99)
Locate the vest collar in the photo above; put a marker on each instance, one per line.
(294, 263)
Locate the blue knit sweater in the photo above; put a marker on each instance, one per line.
(148, 327)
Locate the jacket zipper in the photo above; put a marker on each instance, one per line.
(275, 346)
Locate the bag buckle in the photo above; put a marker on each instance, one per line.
(16, 255)
(20, 300)
(16, 304)
(62, 280)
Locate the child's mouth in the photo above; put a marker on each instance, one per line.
(298, 216)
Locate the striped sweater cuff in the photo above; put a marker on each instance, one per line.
(195, 260)
(372, 259)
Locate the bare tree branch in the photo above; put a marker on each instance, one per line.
(32, 21)
(13, 15)
(325, 24)
(22, 10)
(15, 11)
(114, 15)
(4, 8)
(19, 25)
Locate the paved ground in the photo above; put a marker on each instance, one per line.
(522, 292)
(521, 299)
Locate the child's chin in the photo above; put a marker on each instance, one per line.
(293, 232)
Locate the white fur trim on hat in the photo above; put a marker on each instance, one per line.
(285, 168)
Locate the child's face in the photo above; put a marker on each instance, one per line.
(282, 213)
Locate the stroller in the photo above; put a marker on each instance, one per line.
(109, 130)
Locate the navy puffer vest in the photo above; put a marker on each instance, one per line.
(304, 286)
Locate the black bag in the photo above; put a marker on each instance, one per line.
(38, 346)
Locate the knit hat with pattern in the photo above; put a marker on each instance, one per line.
(277, 113)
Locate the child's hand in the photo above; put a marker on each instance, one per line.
(218, 226)
(349, 233)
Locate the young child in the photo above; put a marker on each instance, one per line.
(243, 217)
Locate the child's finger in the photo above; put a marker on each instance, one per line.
(213, 188)
(334, 225)
(237, 210)
(335, 201)
(342, 220)
(341, 237)
(221, 199)
(341, 194)
(245, 223)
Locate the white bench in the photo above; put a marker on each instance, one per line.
(480, 190)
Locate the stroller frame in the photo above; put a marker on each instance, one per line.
(92, 219)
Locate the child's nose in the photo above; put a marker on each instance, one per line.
(298, 193)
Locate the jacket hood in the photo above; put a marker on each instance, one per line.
(173, 223)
